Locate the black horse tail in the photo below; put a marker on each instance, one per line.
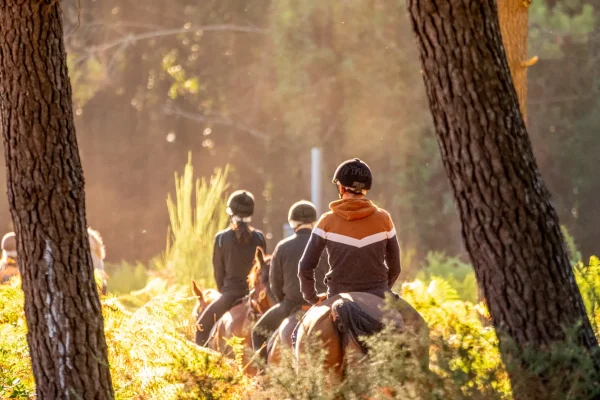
(352, 322)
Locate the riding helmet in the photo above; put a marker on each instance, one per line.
(303, 211)
(241, 204)
(354, 174)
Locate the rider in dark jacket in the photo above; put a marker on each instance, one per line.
(233, 257)
(283, 275)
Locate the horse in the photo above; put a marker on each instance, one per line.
(338, 322)
(282, 337)
(238, 321)
(203, 299)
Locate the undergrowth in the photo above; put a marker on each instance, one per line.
(150, 354)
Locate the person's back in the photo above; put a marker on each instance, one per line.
(233, 260)
(360, 239)
(233, 256)
(283, 275)
(284, 281)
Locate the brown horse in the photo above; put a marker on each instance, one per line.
(203, 299)
(282, 337)
(341, 319)
(238, 321)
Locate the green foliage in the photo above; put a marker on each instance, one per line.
(453, 271)
(567, 18)
(124, 278)
(588, 280)
(150, 354)
(196, 215)
(16, 380)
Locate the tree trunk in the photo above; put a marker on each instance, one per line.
(47, 201)
(509, 226)
(513, 16)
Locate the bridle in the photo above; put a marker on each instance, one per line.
(255, 310)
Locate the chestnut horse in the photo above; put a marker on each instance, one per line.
(238, 321)
(282, 337)
(343, 318)
(203, 299)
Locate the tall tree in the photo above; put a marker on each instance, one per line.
(47, 201)
(509, 226)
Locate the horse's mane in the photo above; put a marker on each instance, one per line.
(95, 236)
(254, 274)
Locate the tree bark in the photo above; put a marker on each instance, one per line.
(47, 201)
(514, 16)
(509, 226)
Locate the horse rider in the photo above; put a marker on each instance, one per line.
(8, 263)
(360, 238)
(283, 274)
(233, 257)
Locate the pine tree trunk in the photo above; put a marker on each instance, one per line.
(514, 16)
(509, 226)
(47, 201)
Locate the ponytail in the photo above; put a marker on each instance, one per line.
(243, 234)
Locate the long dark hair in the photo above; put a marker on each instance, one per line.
(243, 232)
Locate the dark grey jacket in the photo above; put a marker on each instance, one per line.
(283, 275)
(232, 260)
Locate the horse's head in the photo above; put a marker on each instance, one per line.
(258, 281)
(203, 299)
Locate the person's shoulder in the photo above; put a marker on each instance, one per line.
(287, 242)
(382, 212)
(385, 218)
(258, 233)
(326, 217)
(222, 233)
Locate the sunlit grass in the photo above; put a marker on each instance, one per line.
(196, 214)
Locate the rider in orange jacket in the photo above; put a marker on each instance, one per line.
(360, 238)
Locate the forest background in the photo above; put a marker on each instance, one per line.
(256, 84)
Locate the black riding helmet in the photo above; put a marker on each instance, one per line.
(303, 211)
(241, 204)
(354, 174)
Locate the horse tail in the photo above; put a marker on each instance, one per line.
(351, 322)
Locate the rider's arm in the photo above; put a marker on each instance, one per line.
(218, 265)
(310, 261)
(276, 275)
(392, 257)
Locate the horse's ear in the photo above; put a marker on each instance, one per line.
(196, 290)
(260, 255)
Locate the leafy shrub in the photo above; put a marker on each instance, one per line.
(453, 271)
(125, 278)
(150, 354)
